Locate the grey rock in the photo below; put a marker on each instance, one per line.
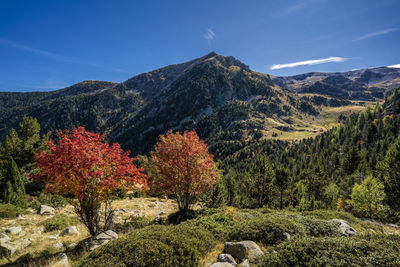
(14, 230)
(58, 245)
(72, 230)
(287, 235)
(6, 249)
(53, 237)
(226, 258)
(244, 263)
(22, 243)
(221, 264)
(109, 234)
(243, 249)
(46, 210)
(344, 228)
(62, 260)
(94, 242)
(394, 225)
(4, 237)
(72, 245)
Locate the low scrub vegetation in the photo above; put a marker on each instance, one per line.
(370, 250)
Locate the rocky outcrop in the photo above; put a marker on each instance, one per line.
(72, 230)
(6, 249)
(94, 242)
(243, 250)
(62, 261)
(46, 210)
(14, 230)
(344, 228)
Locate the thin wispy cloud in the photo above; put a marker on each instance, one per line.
(376, 33)
(308, 62)
(55, 56)
(292, 9)
(396, 66)
(209, 35)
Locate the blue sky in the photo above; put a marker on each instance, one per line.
(46, 45)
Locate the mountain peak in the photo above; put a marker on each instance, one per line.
(225, 61)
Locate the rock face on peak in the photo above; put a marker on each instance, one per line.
(363, 84)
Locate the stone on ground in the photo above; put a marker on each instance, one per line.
(243, 250)
(46, 210)
(344, 228)
(226, 258)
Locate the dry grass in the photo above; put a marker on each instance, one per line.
(31, 223)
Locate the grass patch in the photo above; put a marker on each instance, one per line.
(58, 222)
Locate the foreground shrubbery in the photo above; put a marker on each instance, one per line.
(267, 228)
(10, 210)
(154, 246)
(314, 240)
(373, 250)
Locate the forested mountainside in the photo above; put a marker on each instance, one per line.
(342, 156)
(218, 96)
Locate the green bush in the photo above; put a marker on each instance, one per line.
(265, 229)
(156, 245)
(58, 222)
(53, 200)
(137, 222)
(375, 250)
(218, 223)
(314, 226)
(10, 210)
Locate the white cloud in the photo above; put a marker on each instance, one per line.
(55, 56)
(209, 35)
(377, 33)
(396, 66)
(308, 62)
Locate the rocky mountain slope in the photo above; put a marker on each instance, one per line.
(222, 98)
(363, 84)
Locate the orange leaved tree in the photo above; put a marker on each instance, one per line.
(182, 167)
(82, 164)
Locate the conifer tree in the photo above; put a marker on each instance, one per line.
(391, 179)
(14, 191)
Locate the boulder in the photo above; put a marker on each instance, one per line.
(221, 264)
(62, 261)
(46, 210)
(94, 242)
(226, 258)
(344, 228)
(72, 230)
(244, 263)
(243, 249)
(14, 230)
(6, 249)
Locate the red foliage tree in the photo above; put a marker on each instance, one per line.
(182, 167)
(82, 164)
